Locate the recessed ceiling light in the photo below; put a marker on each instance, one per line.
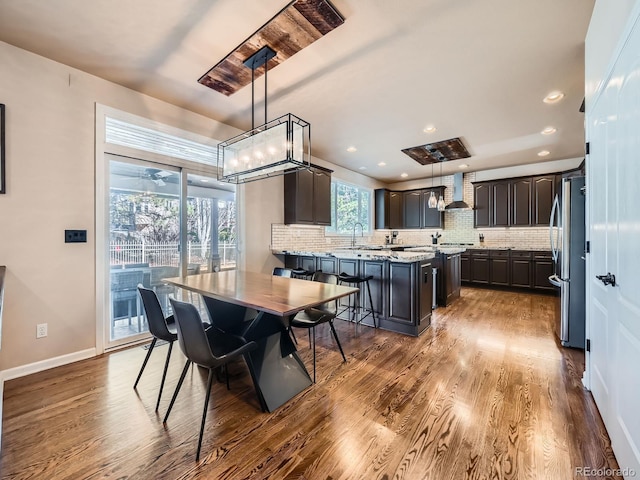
(549, 130)
(362, 168)
(554, 97)
(404, 175)
(429, 129)
(204, 180)
(352, 149)
(381, 164)
(543, 153)
(463, 165)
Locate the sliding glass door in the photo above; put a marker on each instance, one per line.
(144, 241)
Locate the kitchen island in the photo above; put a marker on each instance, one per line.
(401, 287)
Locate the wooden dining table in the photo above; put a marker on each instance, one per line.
(276, 368)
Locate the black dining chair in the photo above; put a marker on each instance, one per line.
(282, 272)
(161, 328)
(312, 317)
(210, 349)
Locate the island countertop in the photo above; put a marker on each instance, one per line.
(403, 257)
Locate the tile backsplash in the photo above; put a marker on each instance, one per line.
(458, 229)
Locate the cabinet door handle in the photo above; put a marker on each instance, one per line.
(608, 279)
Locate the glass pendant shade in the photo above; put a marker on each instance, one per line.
(433, 201)
(441, 204)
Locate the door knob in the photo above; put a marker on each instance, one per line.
(608, 279)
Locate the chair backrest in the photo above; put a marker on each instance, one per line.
(126, 279)
(332, 306)
(282, 272)
(191, 335)
(165, 271)
(155, 316)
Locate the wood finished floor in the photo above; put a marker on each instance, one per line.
(485, 393)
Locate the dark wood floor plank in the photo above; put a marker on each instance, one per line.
(485, 393)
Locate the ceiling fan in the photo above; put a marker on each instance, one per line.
(156, 175)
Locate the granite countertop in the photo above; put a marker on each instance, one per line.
(438, 249)
(403, 257)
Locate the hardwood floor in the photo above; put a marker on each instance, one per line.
(485, 393)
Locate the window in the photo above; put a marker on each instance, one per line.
(350, 204)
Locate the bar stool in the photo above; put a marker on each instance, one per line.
(358, 308)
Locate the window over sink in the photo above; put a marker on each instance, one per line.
(350, 204)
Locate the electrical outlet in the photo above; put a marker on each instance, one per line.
(41, 330)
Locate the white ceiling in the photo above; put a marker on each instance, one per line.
(474, 69)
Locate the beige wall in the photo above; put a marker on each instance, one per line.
(50, 187)
(50, 113)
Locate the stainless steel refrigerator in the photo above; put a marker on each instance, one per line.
(567, 237)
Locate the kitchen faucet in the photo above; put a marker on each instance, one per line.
(353, 238)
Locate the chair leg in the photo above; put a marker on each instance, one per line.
(146, 359)
(373, 314)
(309, 332)
(293, 336)
(204, 412)
(314, 353)
(335, 335)
(175, 394)
(164, 374)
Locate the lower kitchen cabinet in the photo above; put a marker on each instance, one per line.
(480, 271)
(499, 268)
(508, 268)
(448, 278)
(542, 270)
(376, 269)
(327, 265)
(521, 269)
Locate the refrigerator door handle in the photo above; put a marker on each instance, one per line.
(552, 220)
(555, 281)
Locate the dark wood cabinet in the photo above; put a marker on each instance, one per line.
(401, 292)
(350, 267)
(447, 278)
(412, 202)
(500, 203)
(407, 209)
(521, 201)
(481, 205)
(375, 268)
(480, 271)
(542, 270)
(465, 267)
(499, 268)
(307, 197)
(327, 265)
(396, 211)
(322, 197)
(521, 269)
(425, 287)
(382, 208)
(544, 192)
(431, 217)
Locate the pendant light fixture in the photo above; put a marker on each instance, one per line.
(441, 205)
(274, 148)
(433, 201)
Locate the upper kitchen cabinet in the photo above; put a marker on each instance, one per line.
(500, 203)
(521, 201)
(431, 217)
(544, 192)
(412, 209)
(389, 209)
(307, 196)
(482, 205)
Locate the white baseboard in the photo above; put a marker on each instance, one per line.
(36, 367)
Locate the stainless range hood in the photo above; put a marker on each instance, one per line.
(458, 191)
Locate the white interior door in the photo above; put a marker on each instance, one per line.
(614, 310)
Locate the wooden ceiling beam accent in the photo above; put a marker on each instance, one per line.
(295, 27)
(445, 150)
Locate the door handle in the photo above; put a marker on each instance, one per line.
(608, 279)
